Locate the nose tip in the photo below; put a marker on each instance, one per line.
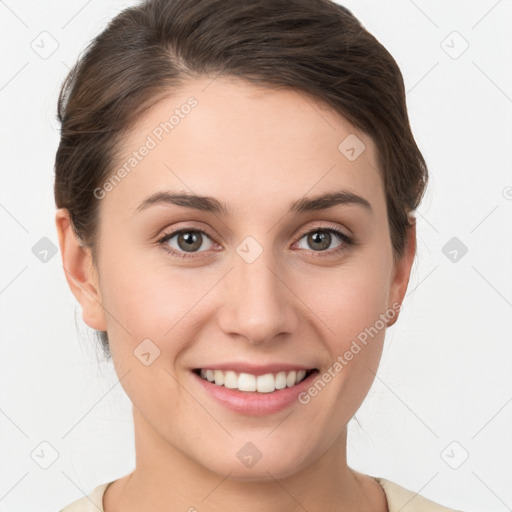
(257, 305)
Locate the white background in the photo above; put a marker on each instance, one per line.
(445, 374)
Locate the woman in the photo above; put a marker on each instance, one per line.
(235, 184)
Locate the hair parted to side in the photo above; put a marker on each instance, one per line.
(150, 50)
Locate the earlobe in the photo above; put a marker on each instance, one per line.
(402, 272)
(80, 272)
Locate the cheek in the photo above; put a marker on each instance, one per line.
(350, 304)
(350, 299)
(150, 313)
(149, 300)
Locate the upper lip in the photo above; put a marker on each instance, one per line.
(255, 369)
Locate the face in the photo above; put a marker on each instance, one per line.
(258, 275)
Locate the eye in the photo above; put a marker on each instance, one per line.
(320, 239)
(186, 241)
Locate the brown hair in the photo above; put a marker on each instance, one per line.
(314, 46)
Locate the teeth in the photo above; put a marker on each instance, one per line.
(246, 382)
(290, 379)
(219, 377)
(280, 380)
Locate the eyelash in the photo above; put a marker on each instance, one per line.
(346, 241)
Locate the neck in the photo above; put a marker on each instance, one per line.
(167, 479)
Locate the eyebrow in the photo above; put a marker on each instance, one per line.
(210, 204)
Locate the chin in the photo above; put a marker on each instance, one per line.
(267, 468)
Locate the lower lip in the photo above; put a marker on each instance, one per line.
(253, 403)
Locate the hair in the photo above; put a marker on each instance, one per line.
(314, 46)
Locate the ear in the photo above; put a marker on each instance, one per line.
(402, 271)
(80, 272)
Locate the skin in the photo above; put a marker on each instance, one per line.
(257, 150)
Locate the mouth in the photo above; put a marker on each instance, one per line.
(247, 382)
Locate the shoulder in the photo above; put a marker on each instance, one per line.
(401, 499)
(93, 502)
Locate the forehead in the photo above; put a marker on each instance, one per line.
(244, 144)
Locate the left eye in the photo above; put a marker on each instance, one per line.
(322, 238)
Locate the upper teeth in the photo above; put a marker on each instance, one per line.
(247, 382)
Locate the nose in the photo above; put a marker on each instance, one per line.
(258, 304)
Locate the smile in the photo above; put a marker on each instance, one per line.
(267, 383)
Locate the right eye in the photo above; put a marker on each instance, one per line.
(186, 241)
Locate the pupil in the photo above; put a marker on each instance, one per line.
(322, 237)
(192, 240)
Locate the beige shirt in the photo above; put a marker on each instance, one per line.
(399, 500)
